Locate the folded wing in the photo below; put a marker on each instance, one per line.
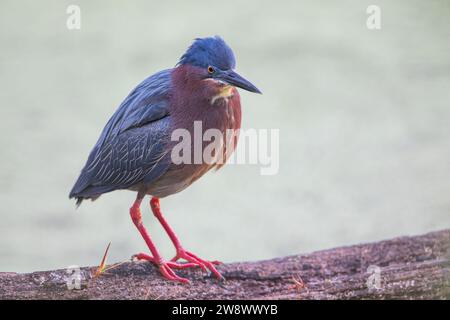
(132, 147)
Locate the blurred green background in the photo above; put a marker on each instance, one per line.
(364, 119)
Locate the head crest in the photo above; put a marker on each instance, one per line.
(210, 51)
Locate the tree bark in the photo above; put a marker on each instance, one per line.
(403, 268)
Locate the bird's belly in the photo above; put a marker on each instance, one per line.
(176, 179)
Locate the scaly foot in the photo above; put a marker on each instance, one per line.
(193, 259)
(165, 267)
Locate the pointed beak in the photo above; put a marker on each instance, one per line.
(233, 78)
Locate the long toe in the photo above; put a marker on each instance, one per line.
(204, 264)
(168, 273)
(165, 267)
(144, 256)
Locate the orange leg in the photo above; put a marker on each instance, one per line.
(181, 252)
(165, 267)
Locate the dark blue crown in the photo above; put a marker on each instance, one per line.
(210, 51)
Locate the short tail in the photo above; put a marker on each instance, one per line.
(78, 202)
(82, 190)
(90, 193)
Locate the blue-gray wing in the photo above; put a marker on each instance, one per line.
(132, 146)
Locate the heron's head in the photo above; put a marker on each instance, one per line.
(217, 61)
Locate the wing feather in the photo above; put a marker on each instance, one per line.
(132, 146)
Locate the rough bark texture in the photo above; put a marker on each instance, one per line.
(408, 268)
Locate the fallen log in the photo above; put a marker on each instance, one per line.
(415, 267)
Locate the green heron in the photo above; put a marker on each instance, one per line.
(134, 150)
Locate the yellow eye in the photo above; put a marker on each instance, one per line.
(210, 70)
